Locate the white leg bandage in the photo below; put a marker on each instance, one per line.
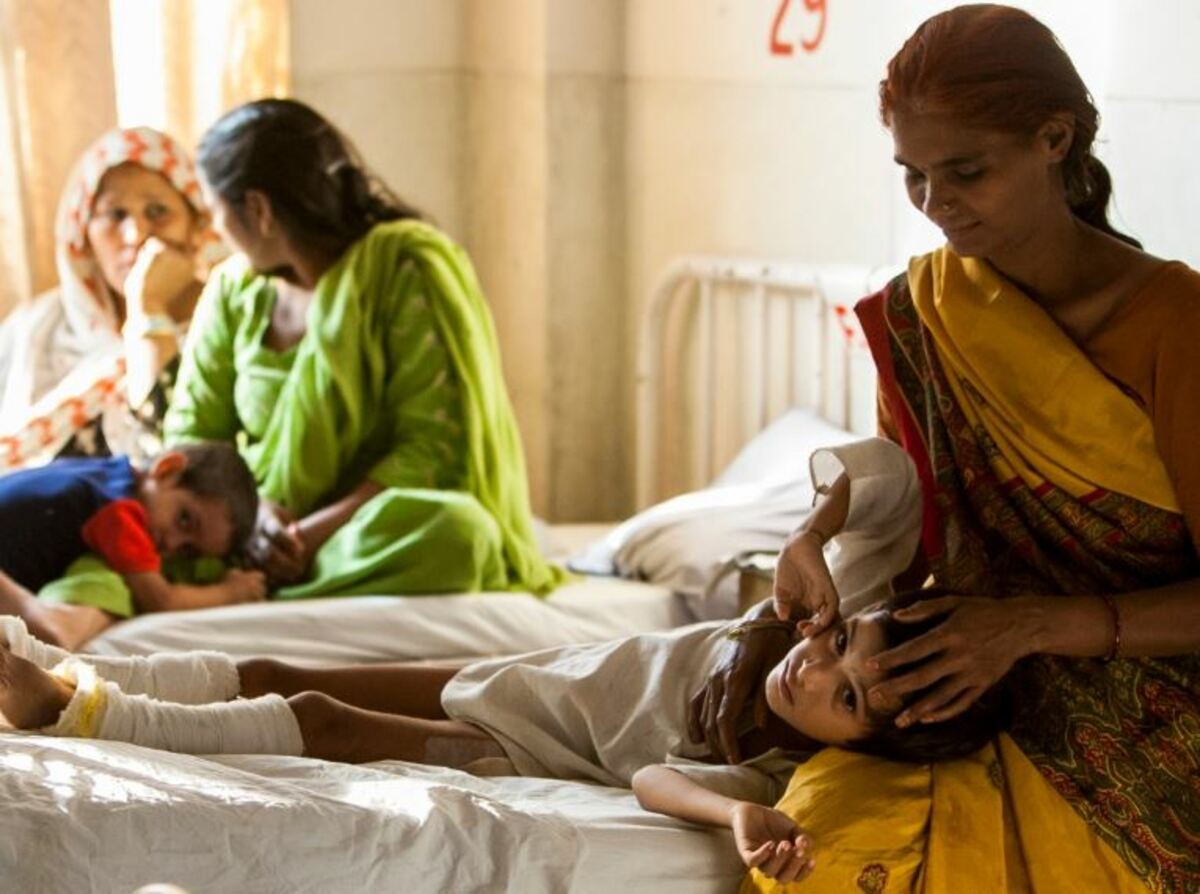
(16, 636)
(186, 678)
(189, 678)
(100, 710)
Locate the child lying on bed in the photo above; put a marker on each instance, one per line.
(194, 500)
(607, 712)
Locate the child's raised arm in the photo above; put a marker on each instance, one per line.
(804, 587)
(767, 840)
(154, 593)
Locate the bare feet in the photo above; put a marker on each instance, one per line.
(30, 698)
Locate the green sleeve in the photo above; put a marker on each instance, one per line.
(89, 581)
(427, 436)
(202, 406)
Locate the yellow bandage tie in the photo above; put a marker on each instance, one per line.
(82, 715)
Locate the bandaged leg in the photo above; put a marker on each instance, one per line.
(99, 709)
(188, 678)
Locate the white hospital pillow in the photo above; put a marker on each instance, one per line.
(752, 506)
(780, 451)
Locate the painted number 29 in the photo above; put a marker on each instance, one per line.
(781, 47)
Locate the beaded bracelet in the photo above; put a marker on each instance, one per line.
(1115, 651)
(743, 628)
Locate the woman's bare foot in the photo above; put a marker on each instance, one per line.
(30, 698)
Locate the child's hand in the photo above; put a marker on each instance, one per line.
(770, 842)
(245, 586)
(803, 584)
(715, 711)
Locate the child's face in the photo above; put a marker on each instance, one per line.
(184, 524)
(821, 685)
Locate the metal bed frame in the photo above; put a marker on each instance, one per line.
(728, 345)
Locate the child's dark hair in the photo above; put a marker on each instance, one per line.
(922, 743)
(215, 469)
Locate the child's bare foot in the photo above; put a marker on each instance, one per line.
(30, 698)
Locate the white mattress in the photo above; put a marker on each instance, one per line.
(406, 628)
(102, 816)
(107, 817)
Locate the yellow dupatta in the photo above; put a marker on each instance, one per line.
(992, 822)
(1014, 372)
(987, 823)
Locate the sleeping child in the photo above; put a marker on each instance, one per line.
(195, 500)
(611, 713)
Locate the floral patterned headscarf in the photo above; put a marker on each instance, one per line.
(68, 340)
(86, 298)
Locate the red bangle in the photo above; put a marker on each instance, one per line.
(1115, 650)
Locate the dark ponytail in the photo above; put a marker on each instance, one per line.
(1089, 189)
(320, 191)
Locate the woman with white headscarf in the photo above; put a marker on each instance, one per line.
(81, 367)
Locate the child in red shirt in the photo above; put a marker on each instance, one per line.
(193, 501)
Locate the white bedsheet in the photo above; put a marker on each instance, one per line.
(406, 628)
(108, 817)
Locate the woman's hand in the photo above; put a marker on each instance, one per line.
(714, 711)
(162, 281)
(276, 546)
(770, 842)
(803, 586)
(970, 651)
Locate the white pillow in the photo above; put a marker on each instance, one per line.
(753, 505)
(780, 451)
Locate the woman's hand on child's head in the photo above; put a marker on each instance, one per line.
(245, 586)
(804, 589)
(769, 841)
(970, 651)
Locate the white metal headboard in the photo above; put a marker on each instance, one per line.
(728, 345)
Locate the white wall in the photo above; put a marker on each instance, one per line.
(733, 150)
(389, 73)
(1151, 128)
(640, 130)
(505, 121)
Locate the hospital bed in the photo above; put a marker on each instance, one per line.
(728, 347)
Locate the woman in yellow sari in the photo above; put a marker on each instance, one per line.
(1040, 372)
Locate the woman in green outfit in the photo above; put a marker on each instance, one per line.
(350, 354)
